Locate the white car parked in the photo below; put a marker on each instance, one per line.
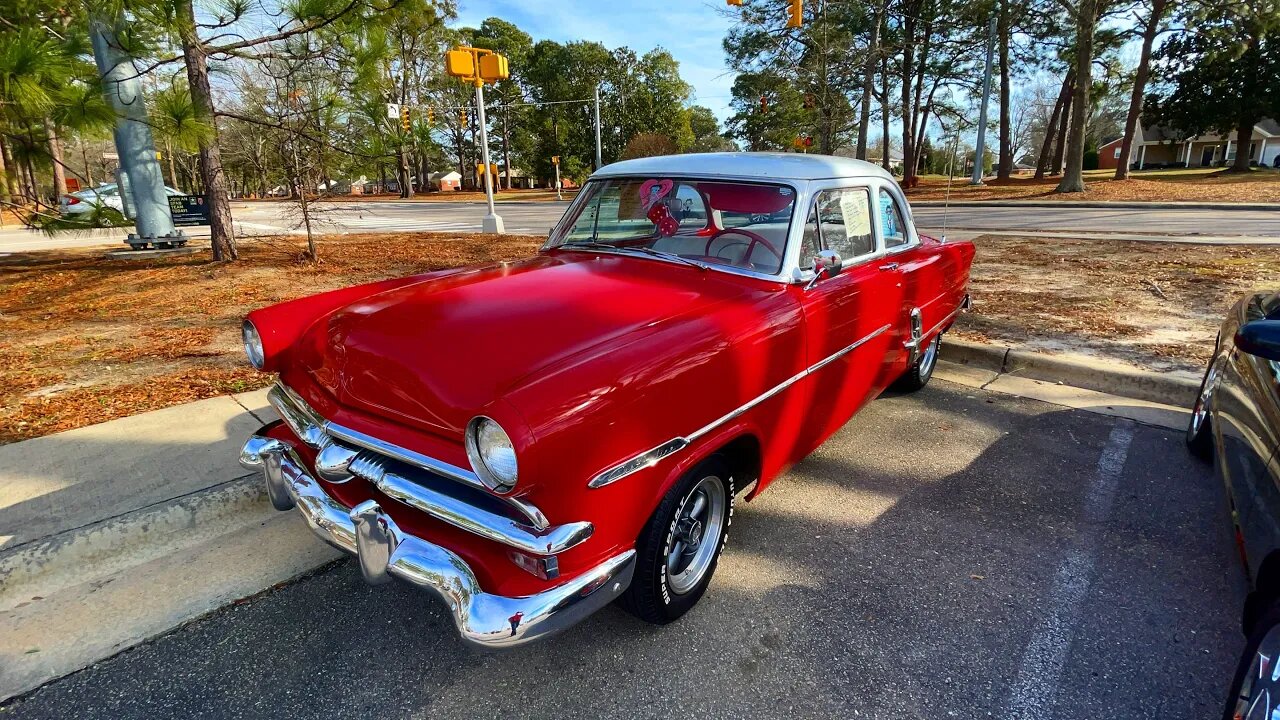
(108, 195)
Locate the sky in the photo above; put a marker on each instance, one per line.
(692, 31)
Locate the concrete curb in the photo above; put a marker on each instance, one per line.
(1097, 204)
(1099, 376)
(42, 567)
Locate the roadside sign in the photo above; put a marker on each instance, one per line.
(188, 210)
(110, 156)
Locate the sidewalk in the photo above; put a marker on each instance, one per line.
(115, 533)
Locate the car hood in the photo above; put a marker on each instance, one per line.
(434, 353)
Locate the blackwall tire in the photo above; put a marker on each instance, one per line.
(670, 579)
(917, 376)
(1249, 684)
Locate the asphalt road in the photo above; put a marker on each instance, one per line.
(536, 218)
(955, 553)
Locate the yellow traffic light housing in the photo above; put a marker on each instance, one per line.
(463, 116)
(736, 3)
(494, 67)
(460, 63)
(476, 65)
(404, 117)
(795, 13)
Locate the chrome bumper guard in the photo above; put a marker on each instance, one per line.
(385, 551)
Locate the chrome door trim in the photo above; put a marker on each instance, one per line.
(649, 458)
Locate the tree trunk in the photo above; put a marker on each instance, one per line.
(88, 169)
(1046, 146)
(1004, 168)
(868, 86)
(55, 158)
(1086, 23)
(1149, 32)
(506, 148)
(222, 234)
(908, 128)
(1060, 149)
(1244, 138)
(173, 168)
(8, 189)
(884, 112)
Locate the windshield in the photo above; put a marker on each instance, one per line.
(716, 222)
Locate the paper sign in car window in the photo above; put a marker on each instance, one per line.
(855, 213)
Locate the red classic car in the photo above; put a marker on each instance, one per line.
(533, 440)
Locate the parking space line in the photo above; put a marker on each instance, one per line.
(1035, 689)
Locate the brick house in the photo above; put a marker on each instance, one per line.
(1158, 146)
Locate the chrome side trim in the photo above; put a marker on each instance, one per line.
(649, 458)
(943, 323)
(385, 551)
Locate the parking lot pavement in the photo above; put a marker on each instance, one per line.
(954, 553)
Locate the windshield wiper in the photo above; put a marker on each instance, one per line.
(669, 256)
(591, 245)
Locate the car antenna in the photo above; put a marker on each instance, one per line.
(951, 166)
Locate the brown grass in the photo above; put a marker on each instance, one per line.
(84, 340)
(1155, 305)
(1259, 186)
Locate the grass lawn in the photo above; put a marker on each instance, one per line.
(84, 340)
(1188, 185)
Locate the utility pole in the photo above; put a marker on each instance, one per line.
(141, 181)
(980, 146)
(597, 111)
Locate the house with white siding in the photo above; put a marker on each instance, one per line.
(1158, 146)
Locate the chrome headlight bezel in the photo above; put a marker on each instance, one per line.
(478, 435)
(253, 345)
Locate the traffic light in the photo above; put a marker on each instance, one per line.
(735, 3)
(404, 117)
(795, 13)
(555, 159)
(764, 105)
(464, 116)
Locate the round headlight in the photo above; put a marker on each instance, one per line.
(492, 455)
(253, 345)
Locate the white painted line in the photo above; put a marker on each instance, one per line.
(1035, 690)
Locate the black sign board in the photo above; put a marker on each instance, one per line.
(188, 210)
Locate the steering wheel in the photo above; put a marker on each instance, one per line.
(753, 237)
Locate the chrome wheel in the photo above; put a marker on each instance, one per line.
(694, 536)
(930, 356)
(1259, 695)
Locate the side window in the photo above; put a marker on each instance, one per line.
(844, 216)
(688, 207)
(811, 241)
(895, 230)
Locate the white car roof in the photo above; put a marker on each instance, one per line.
(767, 165)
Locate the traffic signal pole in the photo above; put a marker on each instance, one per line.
(141, 181)
(492, 222)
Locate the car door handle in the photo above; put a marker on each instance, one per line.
(889, 266)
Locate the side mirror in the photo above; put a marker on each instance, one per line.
(1260, 338)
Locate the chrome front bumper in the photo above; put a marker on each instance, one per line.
(385, 551)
